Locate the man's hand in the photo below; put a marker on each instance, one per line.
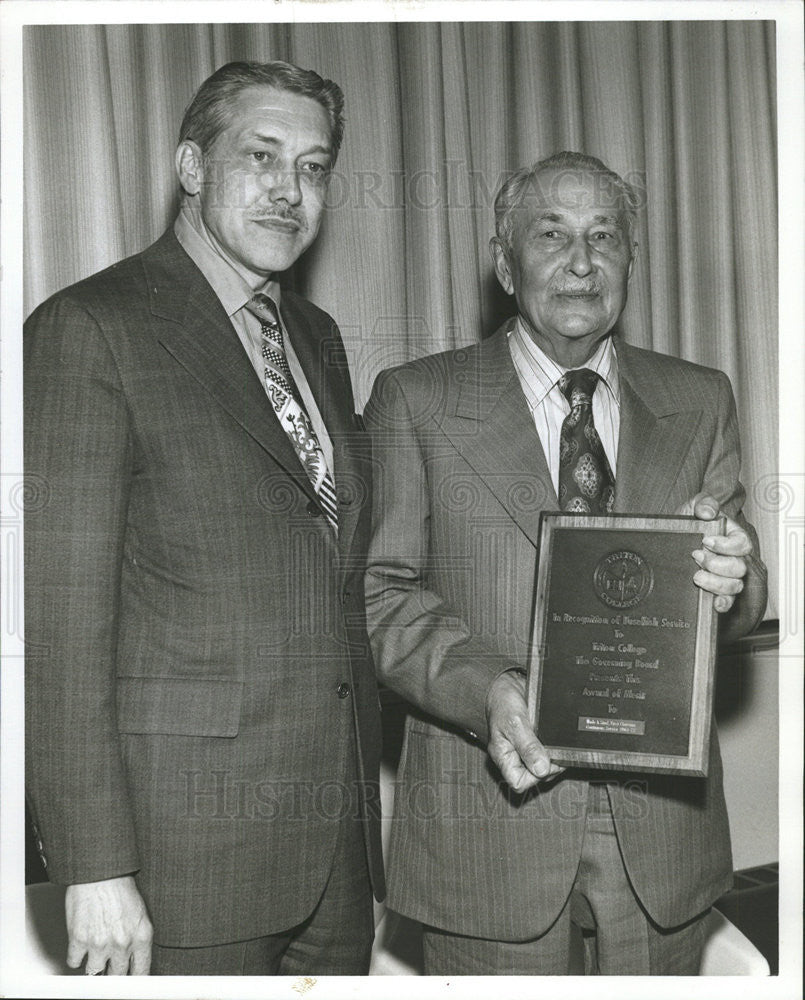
(107, 921)
(515, 749)
(721, 560)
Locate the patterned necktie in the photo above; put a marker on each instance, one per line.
(284, 395)
(586, 483)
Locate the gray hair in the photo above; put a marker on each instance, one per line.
(514, 188)
(210, 111)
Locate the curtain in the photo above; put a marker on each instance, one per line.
(437, 113)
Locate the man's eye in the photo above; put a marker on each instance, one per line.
(551, 234)
(317, 169)
(260, 155)
(603, 236)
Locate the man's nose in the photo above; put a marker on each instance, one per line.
(284, 186)
(579, 260)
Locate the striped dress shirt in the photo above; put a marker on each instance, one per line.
(539, 377)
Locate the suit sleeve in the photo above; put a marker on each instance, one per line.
(722, 481)
(77, 441)
(422, 649)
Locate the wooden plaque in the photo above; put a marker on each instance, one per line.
(623, 657)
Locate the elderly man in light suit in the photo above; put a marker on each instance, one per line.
(203, 724)
(495, 848)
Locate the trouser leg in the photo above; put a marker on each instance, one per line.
(620, 938)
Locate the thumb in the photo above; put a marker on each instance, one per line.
(703, 506)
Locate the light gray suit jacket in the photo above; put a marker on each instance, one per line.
(461, 479)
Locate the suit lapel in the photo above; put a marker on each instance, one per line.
(656, 432)
(491, 426)
(201, 338)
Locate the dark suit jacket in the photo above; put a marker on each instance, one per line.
(199, 684)
(460, 480)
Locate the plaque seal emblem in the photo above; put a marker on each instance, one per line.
(622, 579)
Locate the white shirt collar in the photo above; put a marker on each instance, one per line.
(539, 373)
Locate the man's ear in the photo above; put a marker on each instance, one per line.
(189, 166)
(501, 262)
(635, 248)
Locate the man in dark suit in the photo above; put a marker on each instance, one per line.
(495, 848)
(203, 727)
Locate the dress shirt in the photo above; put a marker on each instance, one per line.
(539, 376)
(233, 293)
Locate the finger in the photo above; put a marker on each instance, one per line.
(723, 603)
(96, 962)
(514, 772)
(533, 755)
(731, 567)
(518, 778)
(718, 587)
(734, 543)
(526, 746)
(555, 771)
(141, 949)
(703, 506)
(119, 962)
(76, 950)
(141, 958)
(717, 584)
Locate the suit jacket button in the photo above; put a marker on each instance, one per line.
(313, 508)
(343, 690)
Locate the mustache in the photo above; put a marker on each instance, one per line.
(283, 215)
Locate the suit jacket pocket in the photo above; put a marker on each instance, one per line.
(179, 706)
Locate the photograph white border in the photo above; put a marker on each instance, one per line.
(14, 14)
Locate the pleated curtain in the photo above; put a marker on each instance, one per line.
(437, 114)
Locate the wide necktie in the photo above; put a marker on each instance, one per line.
(586, 483)
(287, 402)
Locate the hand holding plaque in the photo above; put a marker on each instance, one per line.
(624, 643)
